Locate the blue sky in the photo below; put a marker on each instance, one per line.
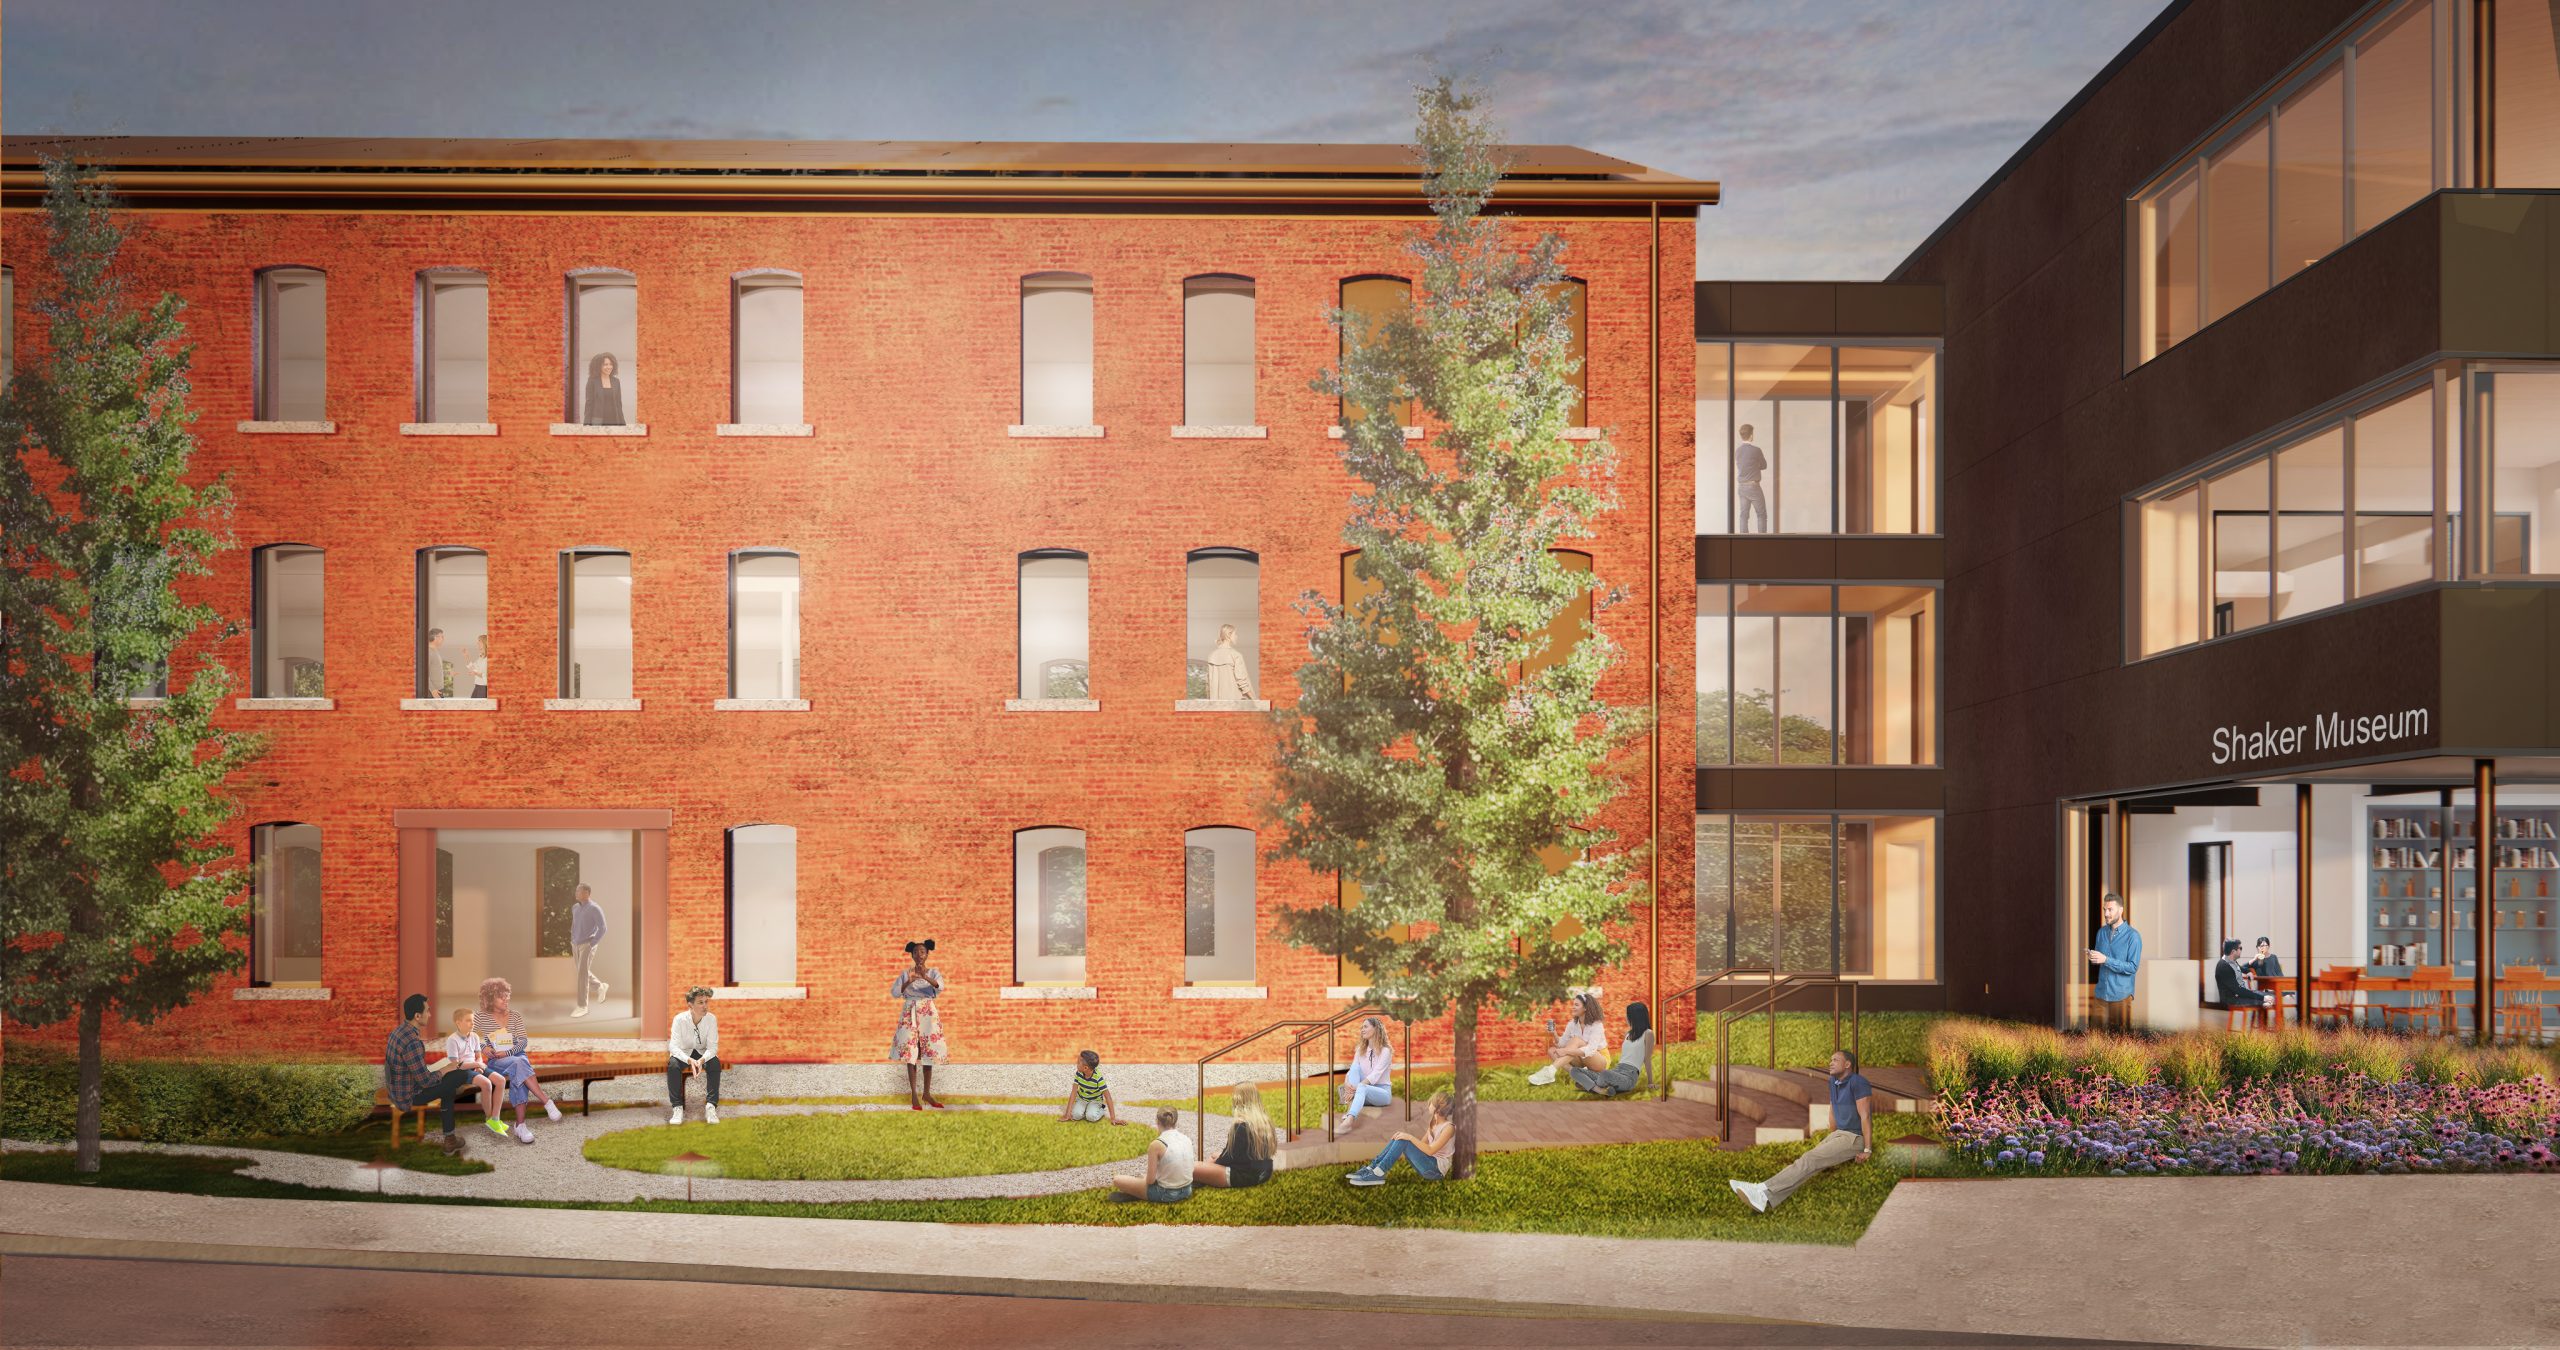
(1843, 130)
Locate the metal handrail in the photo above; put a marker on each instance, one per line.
(1200, 1118)
(1364, 1007)
(1662, 1080)
(1766, 998)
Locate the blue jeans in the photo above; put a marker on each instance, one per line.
(1366, 1094)
(1423, 1163)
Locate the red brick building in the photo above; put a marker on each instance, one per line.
(660, 673)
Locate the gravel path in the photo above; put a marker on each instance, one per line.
(555, 1166)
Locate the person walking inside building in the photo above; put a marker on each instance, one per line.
(480, 670)
(2115, 954)
(586, 930)
(1852, 1138)
(693, 1050)
(1749, 462)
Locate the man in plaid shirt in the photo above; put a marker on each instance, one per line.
(406, 1079)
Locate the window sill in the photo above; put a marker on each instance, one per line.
(284, 704)
(448, 428)
(1346, 991)
(760, 993)
(448, 705)
(146, 704)
(591, 705)
(288, 428)
(281, 993)
(1091, 705)
(1054, 433)
(1220, 991)
(764, 429)
(1218, 705)
(1192, 433)
(1410, 433)
(1582, 433)
(1042, 993)
(581, 429)
(759, 705)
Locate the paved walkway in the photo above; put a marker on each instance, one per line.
(2264, 1261)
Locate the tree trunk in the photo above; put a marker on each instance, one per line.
(1462, 1040)
(92, 1087)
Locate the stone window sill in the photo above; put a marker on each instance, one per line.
(147, 703)
(581, 429)
(288, 428)
(1410, 433)
(1191, 433)
(1091, 705)
(1216, 705)
(281, 993)
(1346, 991)
(1040, 993)
(1220, 991)
(1582, 433)
(284, 704)
(760, 993)
(591, 705)
(448, 428)
(759, 705)
(764, 429)
(448, 705)
(1054, 433)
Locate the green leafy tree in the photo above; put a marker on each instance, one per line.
(115, 894)
(1421, 761)
(1756, 726)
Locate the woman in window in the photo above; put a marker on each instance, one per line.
(1246, 1160)
(604, 393)
(480, 670)
(1228, 682)
(1583, 1043)
(918, 1041)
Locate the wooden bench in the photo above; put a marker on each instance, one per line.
(586, 1076)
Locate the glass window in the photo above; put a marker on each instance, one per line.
(287, 633)
(1715, 438)
(1782, 439)
(1888, 441)
(453, 623)
(2523, 450)
(453, 315)
(1782, 690)
(2172, 545)
(2241, 549)
(558, 874)
(1888, 678)
(1049, 906)
(2394, 134)
(764, 625)
(2525, 114)
(444, 903)
(508, 906)
(1570, 625)
(2169, 224)
(764, 905)
(285, 917)
(1222, 630)
(1888, 897)
(1217, 351)
(2395, 480)
(2235, 223)
(1057, 350)
(595, 624)
(1056, 661)
(767, 325)
(1217, 905)
(293, 345)
(2311, 534)
(2311, 172)
(1372, 301)
(8, 324)
(1713, 837)
(604, 347)
(1576, 299)
(1815, 893)
(1715, 675)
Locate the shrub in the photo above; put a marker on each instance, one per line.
(2248, 1058)
(2511, 1064)
(2192, 1062)
(2127, 1061)
(169, 1101)
(1996, 1056)
(2432, 1061)
(2299, 1054)
(2379, 1058)
(2045, 1054)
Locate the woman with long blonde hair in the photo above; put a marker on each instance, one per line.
(1251, 1142)
(1370, 1079)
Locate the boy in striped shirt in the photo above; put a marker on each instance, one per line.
(1091, 1098)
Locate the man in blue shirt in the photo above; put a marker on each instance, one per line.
(586, 930)
(2115, 953)
(1852, 1138)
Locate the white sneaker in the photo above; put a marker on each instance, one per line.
(1543, 1077)
(711, 1113)
(1753, 1193)
(551, 1109)
(1365, 1177)
(523, 1134)
(578, 1011)
(676, 1117)
(602, 989)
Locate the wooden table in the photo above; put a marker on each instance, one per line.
(2277, 988)
(2544, 983)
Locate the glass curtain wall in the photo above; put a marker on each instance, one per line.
(1820, 892)
(1801, 675)
(1813, 439)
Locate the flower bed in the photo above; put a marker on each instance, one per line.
(2028, 1100)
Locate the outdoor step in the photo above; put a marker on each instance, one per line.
(1758, 1117)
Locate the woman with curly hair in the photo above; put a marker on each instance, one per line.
(918, 1041)
(502, 1027)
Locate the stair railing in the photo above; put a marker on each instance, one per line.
(1766, 998)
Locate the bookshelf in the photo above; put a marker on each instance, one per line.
(2405, 878)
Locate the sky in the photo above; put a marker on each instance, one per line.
(1843, 131)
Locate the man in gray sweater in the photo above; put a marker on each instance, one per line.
(586, 929)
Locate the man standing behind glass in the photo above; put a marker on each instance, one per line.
(2115, 954)
(1749, 462)
(586, 930)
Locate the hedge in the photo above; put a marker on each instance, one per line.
(179, 1102)
(1967, 1054)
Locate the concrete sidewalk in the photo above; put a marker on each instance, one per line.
(2271, 1261)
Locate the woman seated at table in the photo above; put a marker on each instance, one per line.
(2267, 967)
(2226, 979)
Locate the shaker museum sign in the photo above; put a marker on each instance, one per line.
(2237, 745)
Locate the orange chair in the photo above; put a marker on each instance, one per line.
(2334, 996)
(2432, 1008)
(2523, 1019)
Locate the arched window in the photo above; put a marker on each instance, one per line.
(292, 345)
(444, 904)
(1049, 906)
(555, 889)
(285, 910)
(764, 624)
(1217, 351)
(1218, 922)
(1224, 586)
(1574, 295)
(453, 623)
(604, 348)
(765, 371)
(763, 904)
(1057, 349)
(1372, 301)
(453, 346)
(285, 638)
(1569, 625)
(1055, 627)
(595, 624)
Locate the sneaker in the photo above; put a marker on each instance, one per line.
(711, 1113)
(1753, 1193)
(676, 1117)
(1543, 1077)
(552, 1109)
(602, 989)
(453, 1144)
(522, 1134)
(1365, 1177)
(578, 1012)
(496, 1126)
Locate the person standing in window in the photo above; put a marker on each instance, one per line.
(2115, 954)
(918, 1042)
(1749, 462)
(1228, 682)
(586, 932)
(439, 672)
(604, 393)
(480, 670)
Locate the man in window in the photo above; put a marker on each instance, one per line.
(1749, 462)
(406, 1079)
(586, 930)
(2115, 954)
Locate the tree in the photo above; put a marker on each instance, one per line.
(1441, 740)
(115, 893)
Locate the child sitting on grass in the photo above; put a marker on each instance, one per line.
(469, 1053)
(1091, 1098)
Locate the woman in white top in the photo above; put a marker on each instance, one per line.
(918, 1040)
(1584, 1042)
(480, 670)
(1429, 1153)
(1169, 1162)
(1372, 1071)
(1228, 682)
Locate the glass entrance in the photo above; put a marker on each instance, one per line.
(506, 905)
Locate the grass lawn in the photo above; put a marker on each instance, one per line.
(366, 1142)
(876, 1145)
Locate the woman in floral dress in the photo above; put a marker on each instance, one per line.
(919, 1037)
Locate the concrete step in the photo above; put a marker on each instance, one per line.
(1758, 1117)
